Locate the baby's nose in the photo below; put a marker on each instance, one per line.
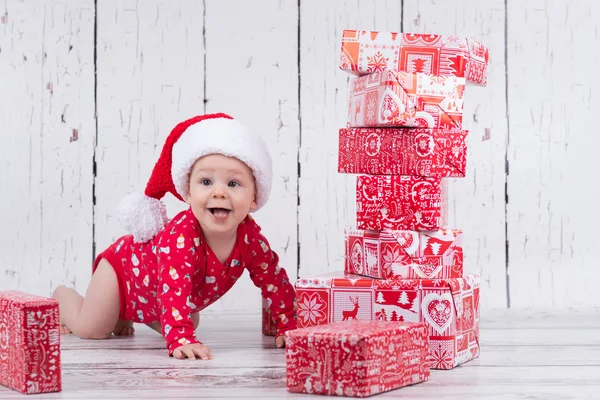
(219, 191)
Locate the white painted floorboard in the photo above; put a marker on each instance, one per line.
(525, 355)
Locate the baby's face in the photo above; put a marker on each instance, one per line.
(222, 193)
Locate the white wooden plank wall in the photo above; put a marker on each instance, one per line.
(46, 143)
(553, 53)
(266, 62)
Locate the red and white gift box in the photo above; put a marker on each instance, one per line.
(407, 99)
(449, 307)
(356, 358)
(401, 202)
(365, 52)
(401, 151)
(269, 325)
(404, 254)
(29, 343)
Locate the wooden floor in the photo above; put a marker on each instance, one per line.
(524, 355)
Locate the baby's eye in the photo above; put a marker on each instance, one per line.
(205, 182)
(233, 184)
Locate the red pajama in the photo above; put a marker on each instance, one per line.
(176, 274)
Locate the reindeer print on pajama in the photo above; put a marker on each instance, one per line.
(176, 274)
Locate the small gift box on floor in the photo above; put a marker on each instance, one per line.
(407, 99)
(400, 151)
(449, 307)
(356, 358)
(29, 343)
(404, 254)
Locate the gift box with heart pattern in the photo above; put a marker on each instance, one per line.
(449, 307)
(404, 254)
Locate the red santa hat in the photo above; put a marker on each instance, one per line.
(144, 215)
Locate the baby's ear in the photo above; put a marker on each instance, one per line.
(188, 197)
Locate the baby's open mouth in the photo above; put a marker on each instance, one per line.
(219, 212)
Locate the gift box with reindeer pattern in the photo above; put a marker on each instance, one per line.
(449, 307)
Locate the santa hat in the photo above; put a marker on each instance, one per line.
(144, 215)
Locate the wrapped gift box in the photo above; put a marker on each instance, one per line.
(404, 254)
(269, 325)
(401, 202)
(356, 358)
(449, 307)
(407, 99)
(399, 151)
(29, 343)
(365, 52)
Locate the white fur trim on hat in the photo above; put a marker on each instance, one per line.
(142, 216)
(229, 138)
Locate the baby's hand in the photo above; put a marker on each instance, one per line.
(280, 341)
(191, 351)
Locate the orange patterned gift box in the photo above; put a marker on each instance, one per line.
(404, 254)
(365, 52)
(29, 343)
(400, 151)
(356, 358)
(396, 98)
(449, 307)
(401, 202)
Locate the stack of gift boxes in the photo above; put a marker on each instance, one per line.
(404, 138)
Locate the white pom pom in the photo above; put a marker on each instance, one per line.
(142, 216)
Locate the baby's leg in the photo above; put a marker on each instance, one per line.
(96, 315)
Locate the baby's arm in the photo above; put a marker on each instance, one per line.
(176, 268)
(274, 284)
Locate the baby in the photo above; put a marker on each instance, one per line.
(165, 272)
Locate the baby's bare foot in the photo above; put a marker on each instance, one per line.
(64, 330)
(123, 328)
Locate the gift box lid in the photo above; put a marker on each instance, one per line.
(357, 330)
(26, 299)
